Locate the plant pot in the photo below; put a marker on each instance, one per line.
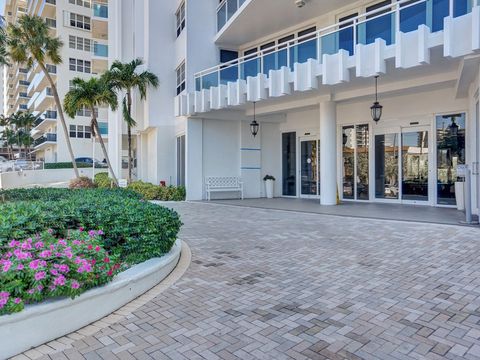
(460, 195)
(269, 185)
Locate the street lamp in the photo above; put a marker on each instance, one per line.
(376, 108)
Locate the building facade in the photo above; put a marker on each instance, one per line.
(82, 26)
(309, 67)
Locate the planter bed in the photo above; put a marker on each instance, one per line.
(40, 323)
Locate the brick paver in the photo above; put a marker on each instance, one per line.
(269, 284)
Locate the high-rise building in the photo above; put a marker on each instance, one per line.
(305, 70)
(82, 26)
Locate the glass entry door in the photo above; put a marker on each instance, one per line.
(402, 166)
(309, 168)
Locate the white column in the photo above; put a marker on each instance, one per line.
(194, 159)
(328, 153)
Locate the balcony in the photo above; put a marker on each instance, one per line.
(403, 33)
(100, 10)
(21, 107)
(226, 9)
(44, 100)
(21, 72)
(384, 23)
(22, 96)
(40, 80)
(47, 118)
(44, 140)
(47, 9)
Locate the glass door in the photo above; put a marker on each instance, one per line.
(309, 168)
(415, 165)
(402, 166)
(387, 150)
(450, 131)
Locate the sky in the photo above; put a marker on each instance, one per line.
(2, 5)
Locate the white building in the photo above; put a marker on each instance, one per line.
(82, 25)
(310, 71)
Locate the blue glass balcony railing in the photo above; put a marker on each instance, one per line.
(226, 9)
(383, 23)
(100, 10)
(103, 126)
(100, 50)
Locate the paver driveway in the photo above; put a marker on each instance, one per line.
(279, 285)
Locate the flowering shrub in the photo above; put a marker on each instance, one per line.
(45, 267)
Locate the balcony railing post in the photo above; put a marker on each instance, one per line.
(355, 24)
(450, 8)
(319, 47)
(397, 20)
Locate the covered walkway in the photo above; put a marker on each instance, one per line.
(399, 212)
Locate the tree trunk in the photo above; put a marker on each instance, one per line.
(96, 129)
(129, 135)
(62, 117)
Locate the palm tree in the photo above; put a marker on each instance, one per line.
(91, 94)
(8, 134)
(26, 123)
(29, 42)
(3, 42)
(124, 77)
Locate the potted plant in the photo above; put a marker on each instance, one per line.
(269, 182)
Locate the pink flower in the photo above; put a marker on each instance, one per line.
(39, 245)
(17, 300)
(62, 242)
(64, 268)
(76, 242)
(59, 281)
(20, 267)
(100, 232)
(97, 248)
(45, 254)
(20, 254)
(54, 272)
(6, 265)
(50, 231)
(81, 229)
(106, 260)
(75, 284)
(92, 233)
(40, 287)
(13, 243)
(40, 275)
(90, 247)
(34, 264)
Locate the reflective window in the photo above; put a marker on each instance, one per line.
(289, 166)
(356, 144)
(363, 145)
(450, 154)
(415, 165)
(348, 138)
(386, 166)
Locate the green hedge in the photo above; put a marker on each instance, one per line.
(134, 230)
(148, 191)
(65, 165)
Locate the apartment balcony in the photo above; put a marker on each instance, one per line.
(403, 33)
(40, 80)
(21, 73)
(100, 20)
(48, 118)
(44, 100)
(242, 21)
(22, 96)
(21, 107)
(47, 9)
(45, 140)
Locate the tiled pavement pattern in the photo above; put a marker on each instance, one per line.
(267, 284)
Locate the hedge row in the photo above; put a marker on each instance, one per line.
(133, 229)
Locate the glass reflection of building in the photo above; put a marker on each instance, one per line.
(450, 154)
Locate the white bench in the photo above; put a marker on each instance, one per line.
(222, 184)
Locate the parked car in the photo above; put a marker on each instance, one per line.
(24, 164)
(90, 161)
(6, 165)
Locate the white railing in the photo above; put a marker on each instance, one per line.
(329, 40)
(225, 10)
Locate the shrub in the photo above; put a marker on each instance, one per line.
(134, 230)
(65, 165)
(103, 181)
(82, 182)
(45, 267)
(154, 192)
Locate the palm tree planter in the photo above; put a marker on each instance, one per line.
(30, 42)
(92, 94)
(269, 185)
(123, 77)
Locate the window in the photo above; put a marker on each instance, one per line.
(80, 21)
(79, 43)
(80, 65)
(51, 22)
(86, 112)
(80, 132)
(85, 3)
(180, 18)
(181, 78)
(181, 160)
